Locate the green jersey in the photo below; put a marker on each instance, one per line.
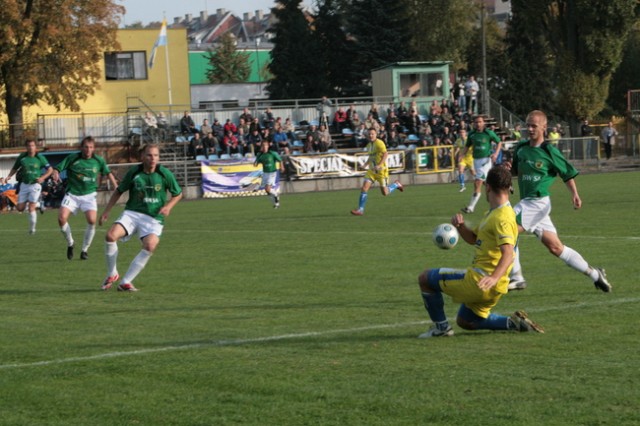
(148, 191)
(82, 173)
(268, 160)
(481, 142)
(30, 167)
(537, 167)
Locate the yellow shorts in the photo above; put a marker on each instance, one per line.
(467, 162)
(382, 178)
(461, 285)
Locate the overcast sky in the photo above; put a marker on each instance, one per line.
(154, 10)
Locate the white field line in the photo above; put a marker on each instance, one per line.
(238, 342)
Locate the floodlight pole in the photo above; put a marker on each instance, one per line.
(258, 62)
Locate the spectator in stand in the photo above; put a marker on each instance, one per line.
(586, 131)
(360, 136)
(246, 116)
(313, 130)
(460, 94)
(255, 125)
(392, 122)
(608, 135)
(355, 121)
(267, 135)
(394, 139)
(311, 145)
(402, 111)
(516, 133)
(446, 115)
(195, 146)
(187, 126)
(289, 129)
(254, 139)
(340, 119)
(350, 111)
(447, 138)
(413, 123)
(454, 126)
(243, 142)
(230, 144)
(434, 109)
(230, 126)
(373, 112)
(436, 127)
(205, 128)
(210, 144)
(150, 125)
(326, 142)
(218, 130)
(281, 141)
(554, 136)
(324, 110)
(471, 90)
(163, 126)
(426, 136)
(455, 107)
(242, 124)
(371, 122)
(268, 120)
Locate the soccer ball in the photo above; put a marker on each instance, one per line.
(445, 236)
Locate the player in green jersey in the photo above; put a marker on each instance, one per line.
(479, 287)
(479, 141)
(270, 161)
(537, 162)
(144, 213)
(30, 165)
(83, 171)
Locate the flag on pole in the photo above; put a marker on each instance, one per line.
(161, 41)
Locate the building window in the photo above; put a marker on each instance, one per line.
(125, 65)
(421, 84)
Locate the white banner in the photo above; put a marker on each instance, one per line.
(335, 164)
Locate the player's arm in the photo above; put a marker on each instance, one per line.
(166, 209)
(466, 233)
(506, 258)
(575, 197)
(112, 179)
(11, 173)
(45, 175)
(383, 161)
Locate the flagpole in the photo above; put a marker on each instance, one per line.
(166, 59)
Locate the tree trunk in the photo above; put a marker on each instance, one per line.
(14, 112)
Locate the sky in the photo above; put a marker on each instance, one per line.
(154, 10)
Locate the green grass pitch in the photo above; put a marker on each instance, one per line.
(307, 315)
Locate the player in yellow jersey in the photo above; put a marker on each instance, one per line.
(463, 161)
(479, 287)
(377, 171)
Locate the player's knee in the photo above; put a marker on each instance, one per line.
(464, 324)
(423, 282)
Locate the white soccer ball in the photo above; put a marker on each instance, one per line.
(445, 236)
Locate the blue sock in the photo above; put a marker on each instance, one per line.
(392, 187)
(492, 322)
(461, 179)
(434, 304)
(363, 200)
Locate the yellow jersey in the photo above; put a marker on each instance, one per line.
(376, 151)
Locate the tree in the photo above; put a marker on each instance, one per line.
(382, 33)
(297, 71)
(627, 76)
(445, 30)
(56, 61)
(227, 65)
(337, 50)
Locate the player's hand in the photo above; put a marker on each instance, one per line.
(457, 220)
(507, 164)
(165, 211)
(103, 218)
(487, 282)
(577, 202)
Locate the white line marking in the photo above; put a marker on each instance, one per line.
(237, 342)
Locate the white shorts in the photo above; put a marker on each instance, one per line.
(533, 214)
(29, 192)
(482, 167)
(268, 179)
(141, 223)
(85, 203)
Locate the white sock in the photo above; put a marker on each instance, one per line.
(33, 219)
(111, 254)
(272, 195)
(89, 232)
(137, 265)
(474, 200)
(576, 261)
(516, 270)
(66, 231)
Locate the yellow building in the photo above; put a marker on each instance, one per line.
(126, 74)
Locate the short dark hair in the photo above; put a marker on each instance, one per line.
(87, 139)
(499, 178)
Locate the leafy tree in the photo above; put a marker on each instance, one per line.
(337, 50)
(627, 76)
(443, 29)
(297, 71)
(50, 50)
(382, 33)
(227, 65)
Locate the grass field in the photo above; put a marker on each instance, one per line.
(307, 315)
